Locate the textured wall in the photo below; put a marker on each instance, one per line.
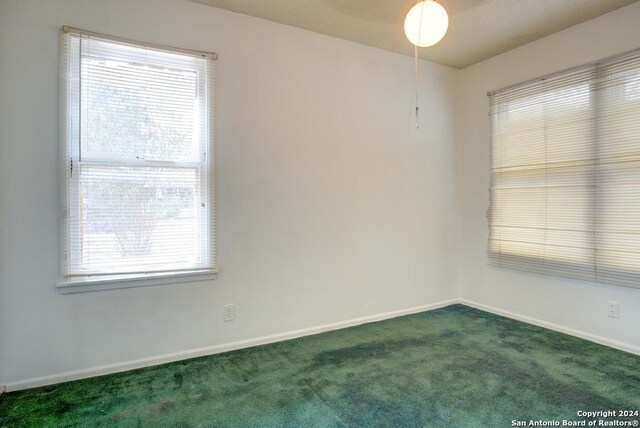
(571, 304)
(331, 206)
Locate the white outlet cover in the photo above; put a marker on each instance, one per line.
(229, 312)
(614, 309)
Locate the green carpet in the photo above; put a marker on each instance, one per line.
(452, 367)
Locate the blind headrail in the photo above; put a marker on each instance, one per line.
(199, 54)
(606, 60)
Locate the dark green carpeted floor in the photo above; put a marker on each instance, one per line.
(452, 367)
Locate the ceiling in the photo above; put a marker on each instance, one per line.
(478, 29)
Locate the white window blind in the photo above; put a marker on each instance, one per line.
(137, 135)
(565, 177)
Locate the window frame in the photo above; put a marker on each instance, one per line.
(71, 283)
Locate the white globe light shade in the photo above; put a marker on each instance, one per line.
(426, 23)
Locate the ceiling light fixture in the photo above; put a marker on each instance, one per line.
(425, 25)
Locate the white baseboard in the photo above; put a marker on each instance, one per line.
(556, 327)
(216, 349)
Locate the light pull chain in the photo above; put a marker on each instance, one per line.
(415, 59)
(416, 86)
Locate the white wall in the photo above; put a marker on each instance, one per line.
(569, 304)
(331, 206)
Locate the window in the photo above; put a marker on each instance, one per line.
(138, 167)
(565, 177)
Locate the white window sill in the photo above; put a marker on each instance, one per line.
(111, 282)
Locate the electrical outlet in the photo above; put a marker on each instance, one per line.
(614, 309)
(229, 312)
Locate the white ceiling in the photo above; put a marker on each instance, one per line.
(478, 29)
